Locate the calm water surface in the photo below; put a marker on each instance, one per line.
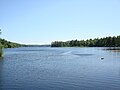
(45, 68)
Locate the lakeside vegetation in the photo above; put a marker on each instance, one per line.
(7, 44)
(1, 51)
(97, 42)
(1, 48)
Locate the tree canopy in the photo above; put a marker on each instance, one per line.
(8, 44)
(97, 42)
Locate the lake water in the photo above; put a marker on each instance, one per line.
(45, 68)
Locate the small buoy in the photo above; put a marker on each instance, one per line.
(102, 58)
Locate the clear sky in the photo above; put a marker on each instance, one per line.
(43, 21)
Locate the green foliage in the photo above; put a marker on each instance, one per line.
(1, 51)
(7, 44)
(102, 42)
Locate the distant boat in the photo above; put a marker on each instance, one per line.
(102, 58)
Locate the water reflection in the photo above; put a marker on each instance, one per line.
(112, 48)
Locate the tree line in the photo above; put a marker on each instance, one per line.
(7, 44)
(97, 42)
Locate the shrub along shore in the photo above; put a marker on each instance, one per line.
(7, 44)
(1, 51)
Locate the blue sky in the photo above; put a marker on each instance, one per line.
(44, 21)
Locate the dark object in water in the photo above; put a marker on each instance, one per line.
(102, 58)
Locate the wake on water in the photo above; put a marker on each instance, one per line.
(68, 52)
(77, 54)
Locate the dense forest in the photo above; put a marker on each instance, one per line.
(7, 44)
(97, 42)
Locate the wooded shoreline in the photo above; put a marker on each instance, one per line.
(97, 42)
